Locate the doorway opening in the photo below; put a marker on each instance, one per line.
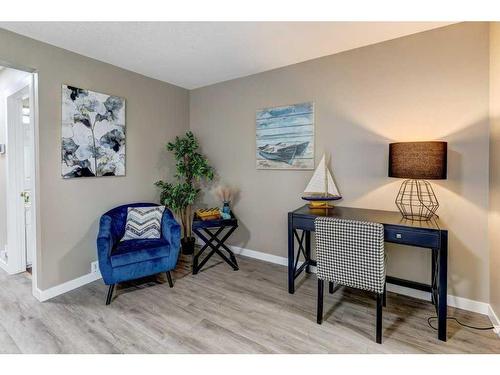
(18, 141)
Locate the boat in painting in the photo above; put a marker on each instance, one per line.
(321, 188)
(283, 152)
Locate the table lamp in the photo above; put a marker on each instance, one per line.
(417, 162)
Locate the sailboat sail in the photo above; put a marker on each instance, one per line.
(322, 181)
(317, 183)
(332, 188)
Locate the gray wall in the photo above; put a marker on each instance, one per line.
(70, 209)
(494, 222)
(428, 86)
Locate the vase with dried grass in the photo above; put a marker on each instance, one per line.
(225, 194)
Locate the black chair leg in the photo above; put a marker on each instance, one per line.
(319, 316)
(110, 294)
(379, 318)
(330, 287)
(169, 278)
(385, 294)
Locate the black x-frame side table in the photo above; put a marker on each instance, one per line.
(211, 232)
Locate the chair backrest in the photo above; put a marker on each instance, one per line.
(350, 253)
(119, 217)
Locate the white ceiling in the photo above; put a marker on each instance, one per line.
(195, 54)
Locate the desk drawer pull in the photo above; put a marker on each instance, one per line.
(399, 235)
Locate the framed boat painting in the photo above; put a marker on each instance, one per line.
(285, 137)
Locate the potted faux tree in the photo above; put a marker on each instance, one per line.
(192, 167)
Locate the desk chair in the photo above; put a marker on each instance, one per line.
(351, 253)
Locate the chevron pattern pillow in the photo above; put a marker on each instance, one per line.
(143, 223)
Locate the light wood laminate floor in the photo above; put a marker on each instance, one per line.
(223, 311)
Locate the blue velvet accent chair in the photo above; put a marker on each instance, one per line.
(132, 259)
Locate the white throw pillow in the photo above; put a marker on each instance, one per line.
(143, 223)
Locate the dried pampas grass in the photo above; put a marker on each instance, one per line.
(225, 193)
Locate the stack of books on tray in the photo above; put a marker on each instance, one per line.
(208, 213)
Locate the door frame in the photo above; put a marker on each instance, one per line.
(16, 253)
(16, 241)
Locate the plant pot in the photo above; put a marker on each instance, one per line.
(187, 245)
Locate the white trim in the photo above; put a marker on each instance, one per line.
(468, 304)
(260, 255)
(13, 265)
(419, 294)
(4, 265)
(15, 206)
(36, 181)
(453, 301)
(44, 295)
(494, 320)
(3, 254)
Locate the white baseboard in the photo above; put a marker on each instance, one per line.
(419, 294)
(3, 254)
(468, 304)
(3, 265)
(282, 261)
(44, 295)
(453, 301)
(494, 320)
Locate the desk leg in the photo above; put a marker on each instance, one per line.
(443, 286)
(291, 256)
(434, 256)
(308, 251)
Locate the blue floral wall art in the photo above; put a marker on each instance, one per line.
(93, 134)
(285, 137)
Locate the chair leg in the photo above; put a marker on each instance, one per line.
(330, 287)
(319, 315)
(379, 318)
(385, 294)
(169, 278)
(110, 294)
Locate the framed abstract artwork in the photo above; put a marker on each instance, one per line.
(93, 134)
(285, 137)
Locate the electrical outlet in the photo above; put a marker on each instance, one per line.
(94, 267)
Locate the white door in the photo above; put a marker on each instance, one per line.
(20, 227)
(27, 188)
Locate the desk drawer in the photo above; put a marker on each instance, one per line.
(414, 237)
(303, 223)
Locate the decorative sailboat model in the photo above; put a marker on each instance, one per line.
(321, 189)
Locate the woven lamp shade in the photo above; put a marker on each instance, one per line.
(418, 160)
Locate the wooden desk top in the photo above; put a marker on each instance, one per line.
(376, 216)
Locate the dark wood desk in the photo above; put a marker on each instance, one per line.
(425, 234)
